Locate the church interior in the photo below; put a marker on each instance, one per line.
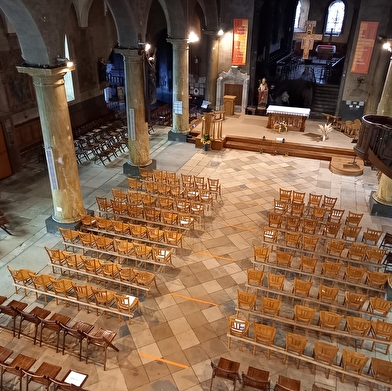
(195, 195)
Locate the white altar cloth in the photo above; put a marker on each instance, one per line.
(288, 110)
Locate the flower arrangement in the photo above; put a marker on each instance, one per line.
(325, 130)
(282, 127)
(206, 139)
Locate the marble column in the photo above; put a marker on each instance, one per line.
(58, 142)
(212, 70)
(383, 193)
(180, 89)
(138, 141)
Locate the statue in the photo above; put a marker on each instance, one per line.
(101, 70)
(263, 93)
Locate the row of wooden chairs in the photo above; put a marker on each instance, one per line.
(103, 299)
(332, 270)
(322, 352)
(147, 214)
(111, 272)
(140, 252)
(325, 294)
(154, 235)
(327, 320)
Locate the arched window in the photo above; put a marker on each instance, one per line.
(297, 15)
(335, 18)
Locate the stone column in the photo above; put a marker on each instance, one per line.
(180, 126)
(212, 69)
(383, 193)
(138, 141)
(58, 142)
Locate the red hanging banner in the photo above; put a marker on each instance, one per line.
(240, 39)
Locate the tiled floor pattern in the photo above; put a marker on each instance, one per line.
(170, 345)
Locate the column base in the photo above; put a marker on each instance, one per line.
(52, 225)
(379, 209)
(173, 136)
(133, 171)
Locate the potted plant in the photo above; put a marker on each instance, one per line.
(206, 140)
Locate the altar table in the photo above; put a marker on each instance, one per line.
(295, 117)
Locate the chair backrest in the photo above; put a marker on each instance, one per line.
(280, 206)
(298, 196)
(270, 305)
(375, 254)
(263, 332)
(327, 293)
(372, 236)
(335, 246)
(82, 291)
(270, 234)
(296, 342)
(331, 229)
(303, 313)
(353, 273)
(246, 300)
(275, 220)
(329, 202)
(309, 226)
(288, 383)
(354, 360)
(255, 276)
(21, 275)
(284, 258)
(285, 195)
(353, 218)
(325, 352)
(381, 368)
(308, 264)
(375, 278)
(335, 215)
(351, 232)
(256, 378)
(330, 319)
(276, 281)
(309, 242)
(261, 253)
(331, 269)
(357, 325)
(380, 305)
(318, 212)
(293, 238)
(238, 327)
(356, 300)
(357, 251)
(297, 208)
(302, 287)
(314, 199)
(292, 222)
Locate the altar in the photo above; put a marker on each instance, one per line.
(294, 117)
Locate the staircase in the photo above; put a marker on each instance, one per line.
(324, 100)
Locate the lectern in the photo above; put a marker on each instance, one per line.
(228, 104)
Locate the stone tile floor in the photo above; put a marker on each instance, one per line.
(169, 345)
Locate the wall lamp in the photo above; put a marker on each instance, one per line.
(64, 60)
(386, 43)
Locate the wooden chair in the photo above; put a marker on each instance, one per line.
(121, 228)
(382, 370)
(138, 231)
(197, 208)
(292, 222)
(314, 200)
(295, 343)
(143, 252)
(357, 251)
(111, 271)
(353, 218)
(331, 269)
(104, 298)
(200, 182)
(127, 304)
(325, 353)
(154, 234)
(158, 175)
(358, 327)
(297, 209)
(335, 247)
(123, 247)
(57, 257)
(238, 328)
(354, 361)
(169, 217)
(386, 242)
(119, 208)
(42, 375)
(376, 279)
(293, 239)
(375, 255)
(288, 384)
(88, 221)
(298, 196)
(75, 262)
(135, 198)
(354, 300)
(163, 188)
(261, 254)
(371, 236)
(309, 226)
(308, 264)
(165, 202)
(16, 367)
(69, 236)
(88, 240)
(275, 220)
(183, 205)
(284, 259)
(329, 320)
(214, 187)
(102, 339)
(135, 211)
(303, 314)
(187, 180)
(318, 213)
(301, 288)
(53, 324)
(270, 235)
(83, 293)
(354, 274)
(285, 195)
(270, 306)
(327, 294)
(21, 276)
(92, 266)
(257, 379)
(226, 369)
(127, 274)
(146, 279)
(62, 287)
(378, 305)
(41, 282)
(162, 256)
(328, 202)
(134, 183)
(151, 214)
(331, 229)
(172, 178)
(335, 215)
(148, 200)
(255, 277)
(276, 281)
(351, 232)
(32, 317)
(264, 334)
(309, 243)
(11, 309)
(173, 237)
(246, 301)
(185, 220)
(104, 205)
(206, 198)
(119, 195)
(280, 206)
(382, 331)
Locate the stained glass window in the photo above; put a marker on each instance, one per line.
(335, 18)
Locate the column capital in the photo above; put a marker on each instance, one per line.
(178, 43)
(48, 75)
(132, 55)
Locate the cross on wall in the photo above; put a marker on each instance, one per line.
(308, 38)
